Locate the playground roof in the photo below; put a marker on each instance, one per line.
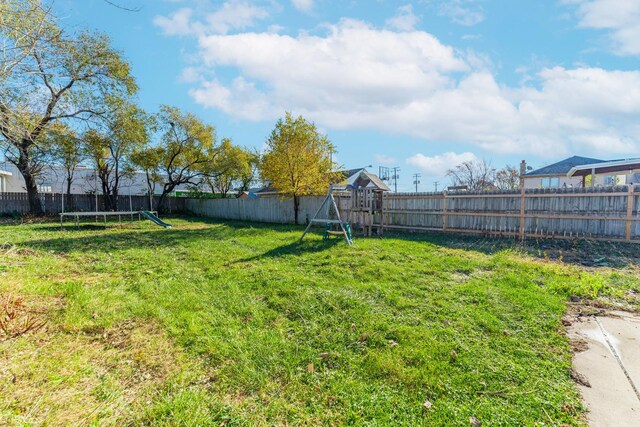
(365, 179)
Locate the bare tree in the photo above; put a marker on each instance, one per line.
(508, 178)
(477, 175)
(120, 6)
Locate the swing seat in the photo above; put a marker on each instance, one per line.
(328, 232)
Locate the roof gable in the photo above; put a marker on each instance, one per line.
(564, 166)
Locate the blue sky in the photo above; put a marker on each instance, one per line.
(421, 85)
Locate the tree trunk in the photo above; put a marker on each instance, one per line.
(161, 200)
(114, 200)
(70, 201)
(35, 206)
(296, 206)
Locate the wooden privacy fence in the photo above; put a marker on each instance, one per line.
(610, 213)
(53, 203)
(265, 209)
(600, 213)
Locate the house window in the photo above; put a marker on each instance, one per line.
(45, 188)
(550, 182)
(611, 180)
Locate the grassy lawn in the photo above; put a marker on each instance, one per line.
(238, 324)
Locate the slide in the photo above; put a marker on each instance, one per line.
(151, 217)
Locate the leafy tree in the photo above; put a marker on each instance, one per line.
(476, 175)
(147, 159)
(67, 151)
(233, 164)
(111, 146)
(186, 150)
(297, 161)
(249, 175)
(508, 178)
(24, 25)
(57, 78)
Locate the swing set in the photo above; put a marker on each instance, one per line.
(329, 215)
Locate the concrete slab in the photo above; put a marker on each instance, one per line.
(611, 365)
(625, 329)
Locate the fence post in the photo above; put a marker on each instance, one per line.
(522, 206)
(444, 211)
(630, 198)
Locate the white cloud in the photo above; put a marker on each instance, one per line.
(255, 104)
(384, 159)
(179, 23)
(359, 77)
(190, 75)
(438, 165)
(235, 15)
(620, 17)
(303, 5)
(463, 12)
(232, 15)
(405, 19)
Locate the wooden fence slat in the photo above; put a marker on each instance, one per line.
(630, 199)
(523, 201)
(444, 211)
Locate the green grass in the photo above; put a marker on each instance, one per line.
(238, 324)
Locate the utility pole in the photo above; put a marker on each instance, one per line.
(395, 177)
(435, 184)
(416, 180)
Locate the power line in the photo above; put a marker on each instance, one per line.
(435, 184)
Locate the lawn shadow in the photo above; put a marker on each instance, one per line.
(125, 236)
(584, 253)
(296, 248)
(581, 252)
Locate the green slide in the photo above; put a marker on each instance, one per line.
(151, 217)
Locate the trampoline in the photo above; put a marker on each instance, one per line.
(150, 215)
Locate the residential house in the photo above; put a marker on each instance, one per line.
(573, 172)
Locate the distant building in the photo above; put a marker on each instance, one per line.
(570, 172)
(53, 180)
(4, 177)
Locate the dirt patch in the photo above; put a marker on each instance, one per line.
(11, 249)
(578, 345)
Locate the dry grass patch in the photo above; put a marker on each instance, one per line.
(18, 318)
(101, 376)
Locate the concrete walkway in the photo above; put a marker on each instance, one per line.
(607, 362)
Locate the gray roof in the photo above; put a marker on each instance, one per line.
(564, 166)
(363, 178)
